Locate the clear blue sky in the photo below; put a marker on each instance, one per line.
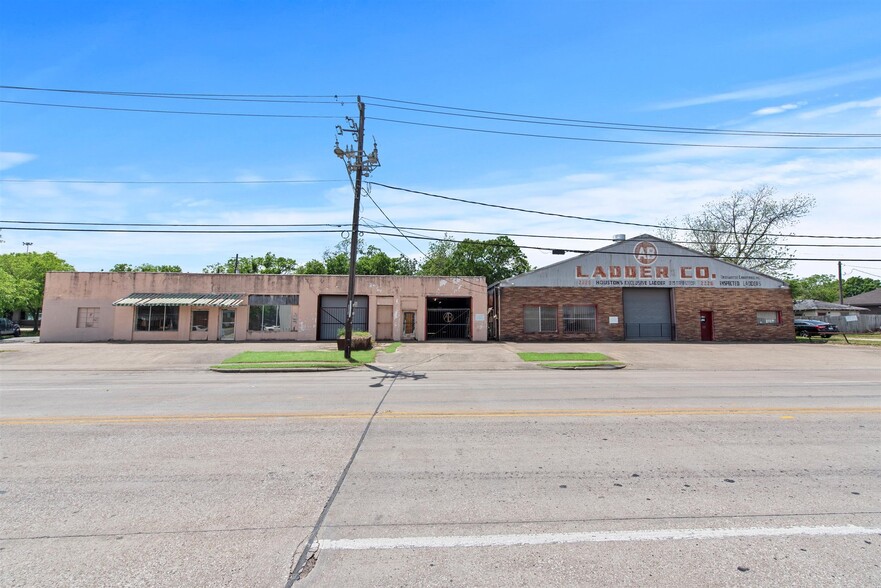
(776, 66)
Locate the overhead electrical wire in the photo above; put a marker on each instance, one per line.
(460, 112)
(401, 229)
(592, 219)
(188, 112)
(574, 123)
(169, 231)
(626, 142)
(444, 110)
(178, 182)
(632, 126)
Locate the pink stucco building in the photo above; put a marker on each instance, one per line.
(101, 306)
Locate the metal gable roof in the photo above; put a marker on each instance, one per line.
(156, 299)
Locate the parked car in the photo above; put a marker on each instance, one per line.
(813, 328)
(7, 327)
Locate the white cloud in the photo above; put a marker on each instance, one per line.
(10, 159)
(813, 82)
(775, 109)
(844, 107)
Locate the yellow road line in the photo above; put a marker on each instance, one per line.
(512, 414)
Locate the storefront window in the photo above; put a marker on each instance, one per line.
(272, 313)
(157, 318)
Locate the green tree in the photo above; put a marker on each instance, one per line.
(816, 287)
(371, 261)
(313, 266)
(23, 280)
(857, 285)
(146, 267)
(258, 264)
(743, 228)
(495, 259)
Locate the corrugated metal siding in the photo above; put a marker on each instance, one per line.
(155, 299)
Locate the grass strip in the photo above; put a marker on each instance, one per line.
(566, 365)
(392, 347)
(528, 356)
(299, 357)
(283, 366)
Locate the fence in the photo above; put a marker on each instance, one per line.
(865, 323)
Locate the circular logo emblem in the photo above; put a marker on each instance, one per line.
(448, 317)
(645, 253)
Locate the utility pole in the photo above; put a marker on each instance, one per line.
(27, 246)
(840, 286)
(361, 165)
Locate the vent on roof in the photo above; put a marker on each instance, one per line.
(619, 237)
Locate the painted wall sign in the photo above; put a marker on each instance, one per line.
(644, 262)
(647, 268)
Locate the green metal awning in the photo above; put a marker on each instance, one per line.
(154, 299)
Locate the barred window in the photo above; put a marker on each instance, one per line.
(768, 317)
(539, 319)
(579, 319)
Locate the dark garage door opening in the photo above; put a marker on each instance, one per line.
(448, 318)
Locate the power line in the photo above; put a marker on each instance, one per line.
(282, 99)
(608, 124)
(189, 112)
(369, 195)
(574, 123)
(181, 182)
(390, 226)
(398, 235)
(621, 141)
(591, 219)
(429, 108)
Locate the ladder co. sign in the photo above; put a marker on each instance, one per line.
(647, 267)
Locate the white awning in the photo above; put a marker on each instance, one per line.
(154, 299)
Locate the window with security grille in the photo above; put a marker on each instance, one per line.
(768, 317)
(540, 319)
(579, 319)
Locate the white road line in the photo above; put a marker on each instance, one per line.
(590, 537)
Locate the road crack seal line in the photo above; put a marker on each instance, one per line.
(309, 556)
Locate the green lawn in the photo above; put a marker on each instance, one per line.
(295, 360)
(526, 356)
(869, 339)
(569, 361)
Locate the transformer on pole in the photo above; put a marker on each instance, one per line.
(360, 164)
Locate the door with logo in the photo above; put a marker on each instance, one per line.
(706, 325)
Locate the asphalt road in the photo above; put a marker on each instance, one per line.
(442, 465)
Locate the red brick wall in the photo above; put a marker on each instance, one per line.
(608, 302)
(734, 313)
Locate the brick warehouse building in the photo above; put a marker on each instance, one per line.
(641, 289)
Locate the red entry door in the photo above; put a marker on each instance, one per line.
(706, 325)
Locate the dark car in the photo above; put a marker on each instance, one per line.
(7, 327)
(813, 328)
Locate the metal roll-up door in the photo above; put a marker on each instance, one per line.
(647, 314)
(332, 316)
